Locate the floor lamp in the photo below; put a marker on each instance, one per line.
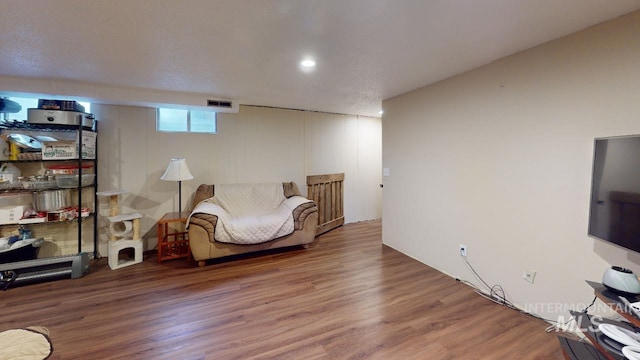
(177, 171)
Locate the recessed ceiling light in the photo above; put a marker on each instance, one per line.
(308, 63)
(380, 112)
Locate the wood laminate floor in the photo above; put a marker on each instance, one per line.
(349, 297)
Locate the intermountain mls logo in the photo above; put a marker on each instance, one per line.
(567, 323)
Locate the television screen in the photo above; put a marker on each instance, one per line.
(615, 191)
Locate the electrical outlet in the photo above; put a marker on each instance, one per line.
(529, 275)
(463, 250)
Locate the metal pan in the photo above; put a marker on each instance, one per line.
(50, 200)
(25, 141)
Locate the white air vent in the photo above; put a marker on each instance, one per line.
(220, 103)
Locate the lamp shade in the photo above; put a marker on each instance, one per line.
(177, 171)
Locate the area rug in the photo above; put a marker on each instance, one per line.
(30, 343)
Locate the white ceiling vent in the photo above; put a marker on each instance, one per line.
(220, 103)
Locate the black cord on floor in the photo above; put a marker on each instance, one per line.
(497, 294)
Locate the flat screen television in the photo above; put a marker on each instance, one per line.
(614, 213)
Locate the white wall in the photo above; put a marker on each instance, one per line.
(257, 144)
(500, 159)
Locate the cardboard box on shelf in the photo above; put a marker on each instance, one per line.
(65, 150)
(11, 214)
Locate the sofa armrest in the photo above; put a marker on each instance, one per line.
(206, 221)
(203, 192)
(301, 212)
(290, 189)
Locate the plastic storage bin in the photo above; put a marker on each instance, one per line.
(9, 172)
(69, 169)
(71, 181)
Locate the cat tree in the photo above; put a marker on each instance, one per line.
(124, 232)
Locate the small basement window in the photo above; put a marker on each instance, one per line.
(181, 120)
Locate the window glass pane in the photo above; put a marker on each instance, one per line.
(171, 120)
(203, 121)
(26, 103)
(87, 106)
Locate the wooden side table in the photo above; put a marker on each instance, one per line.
(172, 245)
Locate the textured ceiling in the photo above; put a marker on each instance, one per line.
(248, 50)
